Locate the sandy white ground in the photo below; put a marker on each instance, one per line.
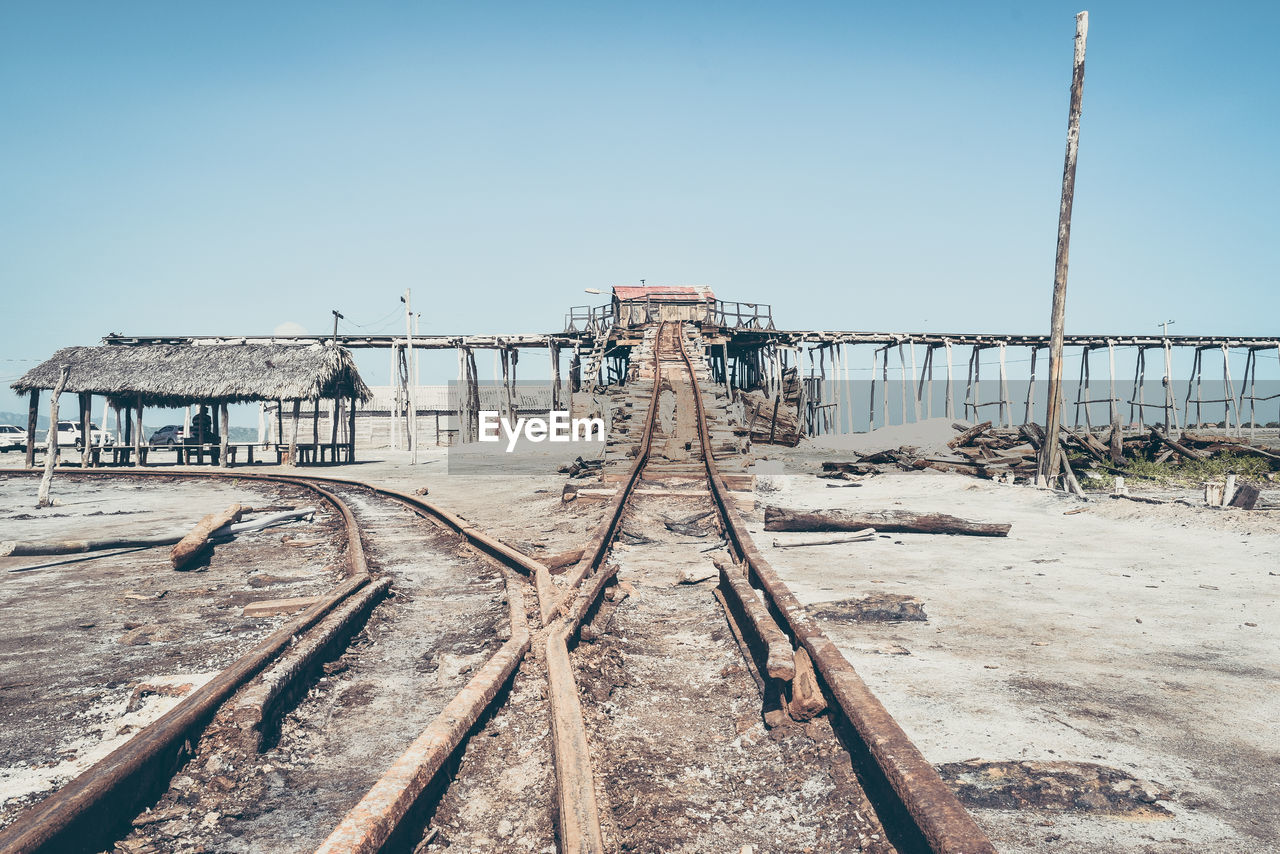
(1140, 637)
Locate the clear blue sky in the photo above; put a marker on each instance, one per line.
(229, 167)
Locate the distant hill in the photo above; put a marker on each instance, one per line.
(19, 419)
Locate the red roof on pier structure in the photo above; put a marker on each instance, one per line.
(662, 293)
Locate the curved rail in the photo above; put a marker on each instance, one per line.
(101, 800)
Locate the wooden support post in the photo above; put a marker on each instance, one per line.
(86, 434)
(293, 433)
(409, 380)
(871, 408)
(1193, 385)
(315, 427)
(33, 416)
(351, 426)
(902, 385)
(1137, 399)
(969, 394)
(1229, 391)
(138, 439)
(224, 440)
(557, 403)
(51, 453)
(280, 422)
(1006, 404)
(333, 425)
(1051, 450)
(473, 394)
(951, 397)
(1029, 413)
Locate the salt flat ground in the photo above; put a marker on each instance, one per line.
(1144, 638)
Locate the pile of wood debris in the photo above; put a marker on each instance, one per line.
(1010, 454)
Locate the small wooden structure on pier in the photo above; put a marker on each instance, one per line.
(131, 378)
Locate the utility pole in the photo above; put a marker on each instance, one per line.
(413, 392)
(337, 315)
(1049, 452)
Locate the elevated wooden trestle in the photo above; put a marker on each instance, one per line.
(749, 355)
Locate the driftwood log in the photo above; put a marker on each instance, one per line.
(969, 434)
(194, 543)
(1189, 453)
(887, 521)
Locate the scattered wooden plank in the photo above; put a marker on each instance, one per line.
(890, 521)
(1189, 453)
(857, 537)
(275, 607)
(779, 660)
(968, 435)
(1246, 497)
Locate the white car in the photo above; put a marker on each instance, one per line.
(12, 438)
(69, 435)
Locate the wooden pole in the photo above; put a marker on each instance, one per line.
(51, 453)
(33, 414)
(293, 437)
(351, 427)
(553, 350)
(224, 441)
(1050, 450)
(137, 433)
(413, 392)
(86, 402)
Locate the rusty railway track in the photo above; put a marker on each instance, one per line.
(912, 801)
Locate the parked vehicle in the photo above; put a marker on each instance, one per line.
(68, 434)
(167, 435)
(100, 438)
(12, 438)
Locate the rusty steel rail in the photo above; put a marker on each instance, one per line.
(380, 813)
(91, 809)
(377, 817)
(943, 822)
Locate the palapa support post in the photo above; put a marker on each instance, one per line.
(137, 433)
(1050, 451)
(224, 439)
(51, 453)
(334, 415)
(315, 428)
(86, 433)
(33, 417)
(351, 426)
(293, 437)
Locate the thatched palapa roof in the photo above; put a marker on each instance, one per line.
(176, 375)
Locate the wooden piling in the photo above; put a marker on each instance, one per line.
(86, 433)
(224, 439)
(138, 438)
(33, 416)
